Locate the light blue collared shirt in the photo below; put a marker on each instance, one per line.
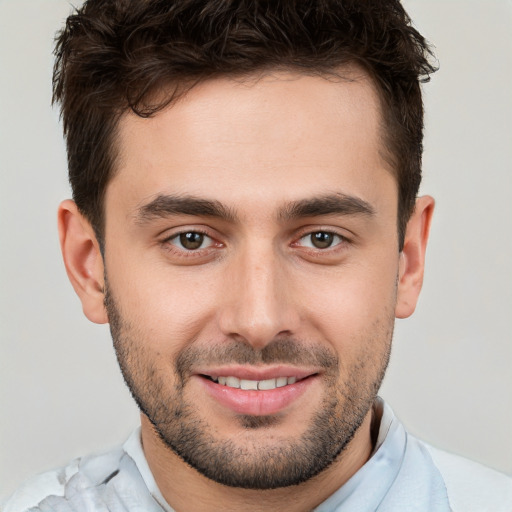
(403, 474)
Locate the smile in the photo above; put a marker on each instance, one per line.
(257, 385)
(257, 392)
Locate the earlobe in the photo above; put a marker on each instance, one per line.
(83, 260)
(412, 257)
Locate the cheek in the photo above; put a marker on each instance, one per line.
(167, 307)
(355, 301)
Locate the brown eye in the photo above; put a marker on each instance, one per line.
(321, 240)
(190, 241)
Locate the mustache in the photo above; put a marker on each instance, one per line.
(278, 351)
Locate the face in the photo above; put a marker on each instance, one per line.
(251, 263)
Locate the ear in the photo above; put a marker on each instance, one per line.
(412, 257)
(83, 260)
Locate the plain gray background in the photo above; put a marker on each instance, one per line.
(450, 379)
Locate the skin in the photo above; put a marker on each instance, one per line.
(257, 148)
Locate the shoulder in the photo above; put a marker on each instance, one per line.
(35, 490)
(55, 484)
(472, 487)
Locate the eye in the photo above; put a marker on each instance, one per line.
(191, 241)
(321, 240)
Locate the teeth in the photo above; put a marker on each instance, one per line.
(281, 381)
(232, 382)
(248, 384)
(267, 384)
(263, 385)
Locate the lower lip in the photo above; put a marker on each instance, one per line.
(257, 403)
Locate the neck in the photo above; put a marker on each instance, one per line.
(186, 490)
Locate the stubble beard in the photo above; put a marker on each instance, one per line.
(260, 461)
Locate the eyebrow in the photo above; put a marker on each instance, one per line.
(169, 205)
(337, 204)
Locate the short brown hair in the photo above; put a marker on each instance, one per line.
(113, 55)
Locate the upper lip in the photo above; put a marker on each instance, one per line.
(258, 373)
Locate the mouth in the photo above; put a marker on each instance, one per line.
(256, 385)
(250, 394)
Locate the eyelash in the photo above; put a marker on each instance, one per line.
(334, 244)
(200, 252)
(188, 253)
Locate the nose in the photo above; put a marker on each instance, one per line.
(258, 303)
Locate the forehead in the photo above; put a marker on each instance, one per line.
(267, 137)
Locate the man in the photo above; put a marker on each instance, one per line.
(245, 218)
